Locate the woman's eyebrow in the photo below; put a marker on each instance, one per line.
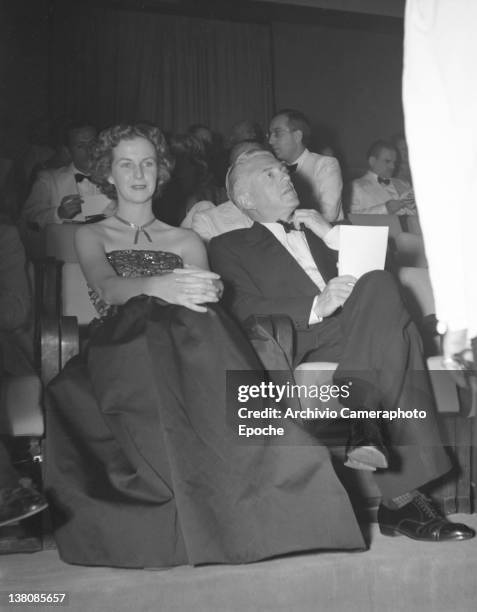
(130, 159)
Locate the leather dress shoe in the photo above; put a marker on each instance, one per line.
(18, 503)
(420, 520)
(365, 449)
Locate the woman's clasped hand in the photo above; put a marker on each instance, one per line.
(190, 286)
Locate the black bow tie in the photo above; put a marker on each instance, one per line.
(289, 227)
(292, 168)
(382, 181)
(80, 177)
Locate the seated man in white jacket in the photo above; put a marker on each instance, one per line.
(59, 193)
(377, 192)
(316, 178)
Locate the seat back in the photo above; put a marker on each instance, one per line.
(391, 221)
(65, 308)
(60, 241)
(21, 412)
(74, 294)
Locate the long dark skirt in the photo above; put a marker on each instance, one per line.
(144, 469)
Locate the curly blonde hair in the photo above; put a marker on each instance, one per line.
(108, 140)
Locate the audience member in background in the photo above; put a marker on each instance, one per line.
(16, 351)
(208, 220)
(203, 134)
(403, 170)
(316, 178)
(377, 192)
(57, 194)
(17, 498)
(246, 130)
(14, 288)
(191, 181)
(215, 153)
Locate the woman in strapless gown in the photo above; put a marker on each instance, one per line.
(144, 465)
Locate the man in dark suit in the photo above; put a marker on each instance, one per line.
(363, 325)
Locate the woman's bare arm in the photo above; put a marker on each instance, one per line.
(186, 290)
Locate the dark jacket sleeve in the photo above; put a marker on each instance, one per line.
(14, 286)
(244, 295)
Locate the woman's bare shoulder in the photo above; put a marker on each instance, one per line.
(92, 232)
(180, 234)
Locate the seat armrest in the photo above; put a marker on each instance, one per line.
(57, 336)
(47, 286)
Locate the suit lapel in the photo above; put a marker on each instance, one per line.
(284, 264)
(66, 181)
(285, 267)
(325, 258)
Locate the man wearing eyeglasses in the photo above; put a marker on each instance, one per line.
(316, 178)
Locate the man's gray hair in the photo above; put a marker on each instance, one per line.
(238, 175)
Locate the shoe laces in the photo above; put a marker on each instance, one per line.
(425, 505)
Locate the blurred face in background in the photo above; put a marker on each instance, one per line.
(205, 138)
(401, 146)
(384, 163)
(79, 143)
(285, 142)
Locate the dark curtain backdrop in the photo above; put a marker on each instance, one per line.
(113, 65)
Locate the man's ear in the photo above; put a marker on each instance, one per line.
(110, 180)
(244, 201)
(298, 135)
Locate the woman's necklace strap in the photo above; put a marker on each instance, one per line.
(139, 228)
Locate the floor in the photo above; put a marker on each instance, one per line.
(396, 574)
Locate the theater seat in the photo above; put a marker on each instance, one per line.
(21, 410)
(59, 241)
(21, 395)
(74, 294)
(67, 309)
(391, 221)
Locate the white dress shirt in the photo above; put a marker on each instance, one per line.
(369, 196)
(48, 190)
(296, 244)
(318, 183)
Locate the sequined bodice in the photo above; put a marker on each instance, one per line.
(133, 263)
